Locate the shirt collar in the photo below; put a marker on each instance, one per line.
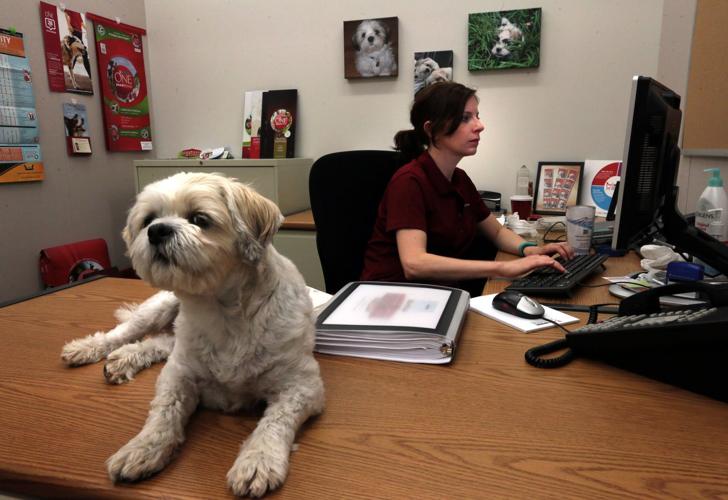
(437, 178)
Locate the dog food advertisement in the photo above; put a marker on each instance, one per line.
(66, 52)
(123, 85)
(20, 158)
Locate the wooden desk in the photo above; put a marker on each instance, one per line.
(486, 426)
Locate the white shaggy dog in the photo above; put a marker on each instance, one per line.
(423, 69)
(507, 34)
(374, 54)
(242, 320)
(439, 75)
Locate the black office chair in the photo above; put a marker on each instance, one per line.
(345, 190)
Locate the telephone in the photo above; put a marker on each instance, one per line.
(684, 346)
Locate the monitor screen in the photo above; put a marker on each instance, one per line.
(650, 161)
(647, 198)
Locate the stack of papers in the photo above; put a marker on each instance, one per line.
(393, 321)
(484, 305)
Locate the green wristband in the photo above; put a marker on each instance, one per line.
(524, 245)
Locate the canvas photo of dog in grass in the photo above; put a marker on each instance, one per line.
(504, 39)
(432, 67)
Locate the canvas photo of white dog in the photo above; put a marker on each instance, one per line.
(504, 39)
(371, 48)
(233, 320)
(432, 67)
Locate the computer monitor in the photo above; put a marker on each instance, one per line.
(647, 197)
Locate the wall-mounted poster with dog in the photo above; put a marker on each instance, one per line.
(123, 84)
(504, 39)
(75, 121)
(371, 47)
(432, 67)
(66, 53)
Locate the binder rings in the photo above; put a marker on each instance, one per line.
(405, 322)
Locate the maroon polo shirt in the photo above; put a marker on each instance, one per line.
(419, 196)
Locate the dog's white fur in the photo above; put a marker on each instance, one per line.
(374, 54)
(72, 51)
(428, 71)
(242, 320)
(423, 69)
(507, 33)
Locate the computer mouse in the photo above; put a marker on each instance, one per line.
(517, 304)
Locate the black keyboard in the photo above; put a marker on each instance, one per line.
(549, 281)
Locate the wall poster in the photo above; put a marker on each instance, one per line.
(66, 50)
(20, 158)
(123, 85)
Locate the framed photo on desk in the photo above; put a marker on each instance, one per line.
(557, 186)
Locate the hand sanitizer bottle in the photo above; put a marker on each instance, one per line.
(523, 181)
(713, 204)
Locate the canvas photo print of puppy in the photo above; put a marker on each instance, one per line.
(232, 319)
(432, 67)
(371, 47)
(504, 39)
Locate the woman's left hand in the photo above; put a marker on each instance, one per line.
(563, 249)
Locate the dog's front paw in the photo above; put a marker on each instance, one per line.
(122, 364)
(139, 458)
(86, 350)
(255, 472)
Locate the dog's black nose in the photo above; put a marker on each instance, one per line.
(370, 39)
(158, 233)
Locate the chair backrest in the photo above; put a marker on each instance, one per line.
(73, 262)
(345, 190)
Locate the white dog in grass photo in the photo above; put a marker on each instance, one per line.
(239, 320)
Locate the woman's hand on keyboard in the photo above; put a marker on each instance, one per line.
(562, 248)
(519, 267)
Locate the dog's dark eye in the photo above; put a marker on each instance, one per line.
(148, 220)
(363, 35)
(199, 219)
(376, 32)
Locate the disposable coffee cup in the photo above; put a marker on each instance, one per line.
(579, 227)
(521, 203)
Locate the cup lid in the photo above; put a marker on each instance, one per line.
(521, 197)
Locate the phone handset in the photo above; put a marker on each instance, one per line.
(648, 302)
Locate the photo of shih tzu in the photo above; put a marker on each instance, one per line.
(509, 39)
(507, 34)
(373, 48)
(432, 67)
(239, 323)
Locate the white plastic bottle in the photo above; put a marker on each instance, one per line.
(712, 205)
(523, 181)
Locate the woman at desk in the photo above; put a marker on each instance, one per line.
(432, 225)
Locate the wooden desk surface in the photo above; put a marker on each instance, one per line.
(300, 220)
(486, 426)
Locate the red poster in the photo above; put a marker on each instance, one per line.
(123, 85)
(66, 53)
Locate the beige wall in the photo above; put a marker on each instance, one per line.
(81, 197)
(202, 57)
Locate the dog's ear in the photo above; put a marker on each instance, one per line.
(256, 220)
(355, 40)
(386, 32)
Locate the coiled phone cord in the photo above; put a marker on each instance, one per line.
(534, 355)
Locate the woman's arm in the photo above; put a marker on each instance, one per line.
(420, 265)
(508, 241)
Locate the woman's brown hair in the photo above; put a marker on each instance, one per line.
(443, 105)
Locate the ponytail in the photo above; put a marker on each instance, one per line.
(409, 144)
